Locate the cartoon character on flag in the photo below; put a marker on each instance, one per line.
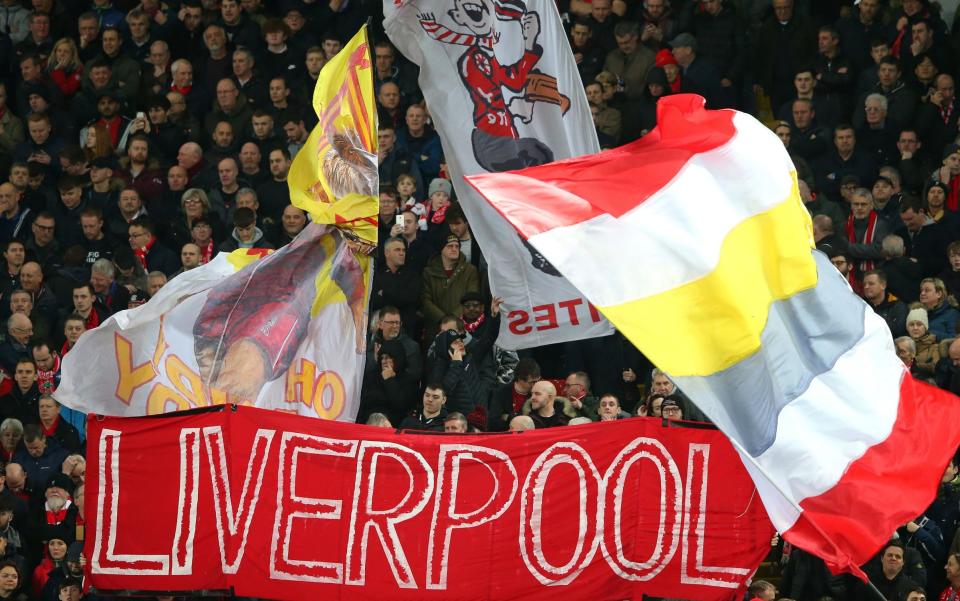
(497, 145)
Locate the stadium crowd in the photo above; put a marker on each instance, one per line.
(138, 139)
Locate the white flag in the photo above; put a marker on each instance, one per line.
(283, 331)
(504, 93)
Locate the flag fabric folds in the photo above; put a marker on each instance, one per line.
(504, 93)
(334, 176)
(694, 242)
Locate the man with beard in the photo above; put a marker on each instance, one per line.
(52, 507)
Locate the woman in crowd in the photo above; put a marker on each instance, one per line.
(941, 308)
(65, 68)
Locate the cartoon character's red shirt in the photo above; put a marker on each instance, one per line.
(484, 75)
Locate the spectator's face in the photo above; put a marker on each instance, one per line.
(868, 10)
(39, 131)
(107, 107)
(860, 206)
(8, 197)
(48, 407)
(594, 93)
(15, 254)
(26, 375)
(892, 560)
(395, 254)
(279, 165)
(580, 35)
(215, 39)
(388, 207)
(201, 233)
(882, 191)
(389, 96)
(177, 178)
(826, 42)
(242, 65)
(43, 230)
(911, 7)
(250, 157)
(907, 142)
(278, 91)
(155, 283)
(433, 400)
(386, 139)
(37, 103)
(913, 220)
(137, 151)
(406, 186)
(40, 27)
(936, 198)
(409, 224)
(190, 256)
(101, 282)
(945, 86)
(19, 177)
(904, 352)
(263, 126)
(230, 11)
(292, 131)
(844, 140)
(783, 10)
(455, 426)
(110, 41)
(872, 287)
(952, 568)
(384, 59)
(331, 48)
(655, 8)
(294, 20)
(916, 329)
(542, 395)
(129, 202)
(183, 77)
(661, 385)
(71, 197)
(82, 300)
(627, 43)
(275, 38)
(139, 237)
(223, 134)
(929, 297)
(36, 447)
(874, 112)
(21, 303)
(888, 74)
(600, 10)
(227, 170)
(29, 70)
(804, 83)
(72, 330)
(88, 30)
(138, 29)
(315, 62)
(293, 220)
(159, 54)
(187, 157)
(192, 16)
(783, 133)
(459, 228)
(227, 94)
(451, 251)
(416, 117)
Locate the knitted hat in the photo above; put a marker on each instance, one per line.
(918, 314)
(664, 57)
(60, 480)
(451, 239)
(440, 185)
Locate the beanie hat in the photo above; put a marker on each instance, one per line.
(440, 185)
(918, 314)
(664, 57)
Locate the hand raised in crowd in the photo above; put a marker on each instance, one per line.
(495, 306)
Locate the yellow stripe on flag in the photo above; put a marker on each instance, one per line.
(713, 322)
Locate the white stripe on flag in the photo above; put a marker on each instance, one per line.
(842, 413)
(714, 192)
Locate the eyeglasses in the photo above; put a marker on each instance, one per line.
(392, 322)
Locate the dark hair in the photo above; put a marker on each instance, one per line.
(32, 432)
(526, 368)
(144, 222)
(244, 217)
(437, 386)
(881, 275)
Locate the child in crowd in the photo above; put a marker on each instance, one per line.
(407, 190)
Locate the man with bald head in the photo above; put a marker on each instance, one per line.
(13, 219)
(190, 157)
(545, 410)
(17, 344)
(44, 301)
(16, 483)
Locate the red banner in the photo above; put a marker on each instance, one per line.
(279, 506)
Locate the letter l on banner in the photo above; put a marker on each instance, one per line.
(510, 65)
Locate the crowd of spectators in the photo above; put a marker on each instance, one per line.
(138, 139)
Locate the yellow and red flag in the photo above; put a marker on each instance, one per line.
(334, 176)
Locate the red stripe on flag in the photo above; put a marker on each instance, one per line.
(861, 512)
(614, 181)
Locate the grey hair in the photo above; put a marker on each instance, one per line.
(104, 267)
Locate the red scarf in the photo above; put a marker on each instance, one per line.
(949, 594)
(206, 252)
(47, 380)
(93, 320)
(953, 198)
(518, 400)
(472, 326)
(49, 432)
(142, 254)
(57, 517)
(184, 90)
(867, 237)
(439, 215)
(65, 348)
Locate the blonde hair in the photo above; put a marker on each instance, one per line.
(74, 62)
